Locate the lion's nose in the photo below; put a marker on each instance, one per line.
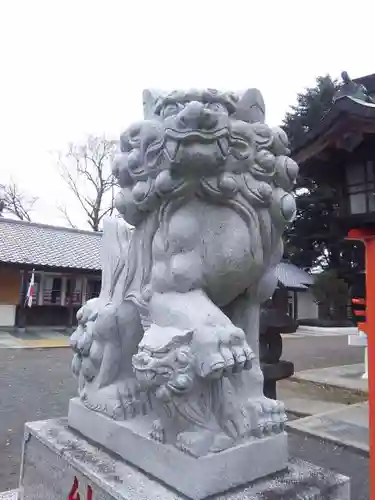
(196, 116)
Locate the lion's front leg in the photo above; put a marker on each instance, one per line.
(178, 299)
(218, 345)
(244, 313)
(266, 415)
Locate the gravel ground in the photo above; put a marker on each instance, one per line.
(36, 384)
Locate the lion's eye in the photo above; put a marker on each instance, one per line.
(171, 109)
(182, 357)
(217, 107)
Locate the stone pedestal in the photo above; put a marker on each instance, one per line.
(58, 463)
(212, 473)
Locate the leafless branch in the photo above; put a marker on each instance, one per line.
(15, 202)
(86, 169)
(64, 212)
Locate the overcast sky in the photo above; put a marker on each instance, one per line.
(74, 67)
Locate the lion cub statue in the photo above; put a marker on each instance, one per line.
(191, 412)
(184, 403)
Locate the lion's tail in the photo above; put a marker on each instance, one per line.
(113, 257)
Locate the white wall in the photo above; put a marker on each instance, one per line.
(307, 308)
(7, 315)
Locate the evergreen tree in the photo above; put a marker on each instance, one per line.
(312, 105)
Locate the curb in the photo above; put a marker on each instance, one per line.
(35, 344)
(328, 386)
(325, 437)
(9, 495)
(309, 412)
(328, 331)
(327, 422)
(43, 343)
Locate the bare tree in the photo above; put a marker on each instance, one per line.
(15, 202)
(86, 168)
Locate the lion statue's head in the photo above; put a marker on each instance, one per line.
(206, 143)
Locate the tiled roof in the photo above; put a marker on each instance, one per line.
(41, 245)
(291, 276)
(368, 81)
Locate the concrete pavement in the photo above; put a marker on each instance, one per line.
(9, 495)
(348, 426)
(42, 339)
(332, 397)
(37, 384)
(348, 377)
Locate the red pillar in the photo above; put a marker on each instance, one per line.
(370, 315)
(368, 237)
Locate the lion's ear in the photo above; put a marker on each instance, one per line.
(150, 98)
(251, 107)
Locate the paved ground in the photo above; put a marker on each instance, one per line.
(37, 384)
(347, 426)
(344, 376)
(33, 339)
(319, 352)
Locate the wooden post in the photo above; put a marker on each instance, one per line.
(41, 290)
(70, 300)
(84, 289)
(21, 317)
(295, 304)
(370, 320)
(63, 291)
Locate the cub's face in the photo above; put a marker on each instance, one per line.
(163, 358)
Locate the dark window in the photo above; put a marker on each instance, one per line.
(73, 291)
(56, 290)
(93, 289)
(360, 185)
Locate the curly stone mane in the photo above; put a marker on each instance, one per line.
(254, 177)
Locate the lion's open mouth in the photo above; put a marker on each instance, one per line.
(145, 375)
(176, 141)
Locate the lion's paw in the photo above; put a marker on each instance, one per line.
(196, 443)
(270, 416)
(104, 400)
(221, 350)
(157, 433)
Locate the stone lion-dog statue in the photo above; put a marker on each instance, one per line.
(206, 193)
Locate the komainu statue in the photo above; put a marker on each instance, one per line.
(205, 190)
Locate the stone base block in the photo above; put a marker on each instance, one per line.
(212, 473)
(9, 495)
(58, 463)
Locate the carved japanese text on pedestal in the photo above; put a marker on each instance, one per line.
(174, 333)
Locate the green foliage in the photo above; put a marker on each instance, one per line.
(314, 239)
(331, 293)
(312, 105)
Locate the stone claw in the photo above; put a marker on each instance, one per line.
(270, 416)
(222, 351)
(157, 433)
